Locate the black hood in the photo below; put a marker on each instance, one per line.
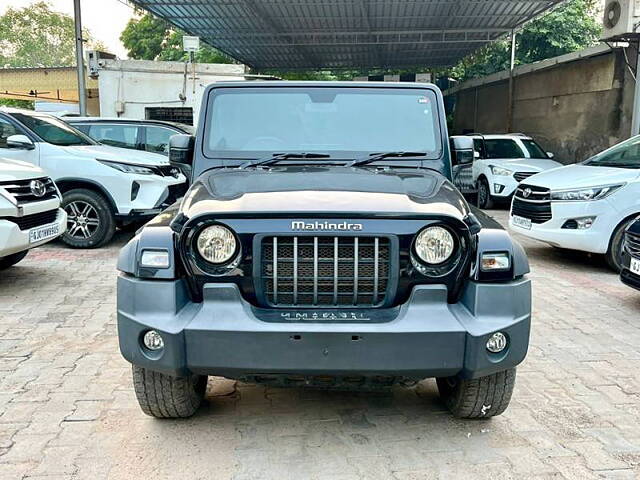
(324, 190)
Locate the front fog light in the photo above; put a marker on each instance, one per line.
(153, 340)
(498, 188)
(497, 342)
(585, 223)
(491, 262)
(154, 259)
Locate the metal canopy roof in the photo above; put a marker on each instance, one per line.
(298, 34)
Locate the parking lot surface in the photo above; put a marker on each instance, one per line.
(67, 407)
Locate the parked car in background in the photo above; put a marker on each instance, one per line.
(102, 186)
(630, 273)
(30, 213)
(501, 162)
(585, 207)
(147, 135)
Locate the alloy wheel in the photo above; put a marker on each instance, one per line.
(82, 219)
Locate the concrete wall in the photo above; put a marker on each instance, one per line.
(127, 87)
(575, 107)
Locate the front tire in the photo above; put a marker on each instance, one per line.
(616, 246)
(482, 397)
(165, 396)
(485, 200)
(90, 220)
(11, 260)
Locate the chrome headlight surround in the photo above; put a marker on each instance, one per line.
(448, 262)
(585, 194)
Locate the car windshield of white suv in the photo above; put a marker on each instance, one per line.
(502, 148)
(341, 122)
(624, 155)
(535, 150)
(54, 131)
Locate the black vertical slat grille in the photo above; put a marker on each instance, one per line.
(520, 176)
(307, 271)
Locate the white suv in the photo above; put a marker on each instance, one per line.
(583, 207)
(103, 187)
(30, 213)
(501, 162)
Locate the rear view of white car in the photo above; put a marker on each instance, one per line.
(501, 162)
(103, 187)
(30, 213)
(583, 207)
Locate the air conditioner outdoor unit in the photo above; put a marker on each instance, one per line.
(621, 18)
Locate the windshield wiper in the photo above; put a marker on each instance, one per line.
(358, 162)
(277, 157)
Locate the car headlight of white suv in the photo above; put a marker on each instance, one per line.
(129, 168)
(585, 194)
(502, 172)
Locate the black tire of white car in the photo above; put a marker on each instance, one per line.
(485, 201)
(164, 396)
(11, 260)
(77, 203)
(616, 245)
(482, 397)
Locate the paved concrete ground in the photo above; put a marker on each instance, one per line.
(68, 409)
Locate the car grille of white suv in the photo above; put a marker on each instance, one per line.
(22, 192)
(533, 203)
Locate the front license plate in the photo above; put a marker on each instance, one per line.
(635, 266)
(43, 233)
(522, 222)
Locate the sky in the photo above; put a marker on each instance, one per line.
(105, 19)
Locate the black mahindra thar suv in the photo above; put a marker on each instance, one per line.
(322, 244)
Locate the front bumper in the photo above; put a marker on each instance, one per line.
(226, 336)
(593, 240)
(503, 186)
(13, 240)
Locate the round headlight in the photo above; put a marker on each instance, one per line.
(434, 245)
(217, 244)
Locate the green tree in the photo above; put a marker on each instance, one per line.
(151, 38)
(37, 36)
(571, 27)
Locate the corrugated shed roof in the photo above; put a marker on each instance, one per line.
(298, 34)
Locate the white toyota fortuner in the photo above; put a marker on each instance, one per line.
(102, 186)
(584, 207)
(30, 213)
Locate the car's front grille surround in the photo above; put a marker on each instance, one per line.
(306, 271)
(533, 203)
(35, 220)
(632, 244)
(520, 176)
(21, 190)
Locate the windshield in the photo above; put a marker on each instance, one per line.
(623, 155)
(340, 121)
(535, 150)
(53, 130)
(502, 148)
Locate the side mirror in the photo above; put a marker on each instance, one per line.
(20, 141)
(463, 150)
(181, 150)
(550, 154)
